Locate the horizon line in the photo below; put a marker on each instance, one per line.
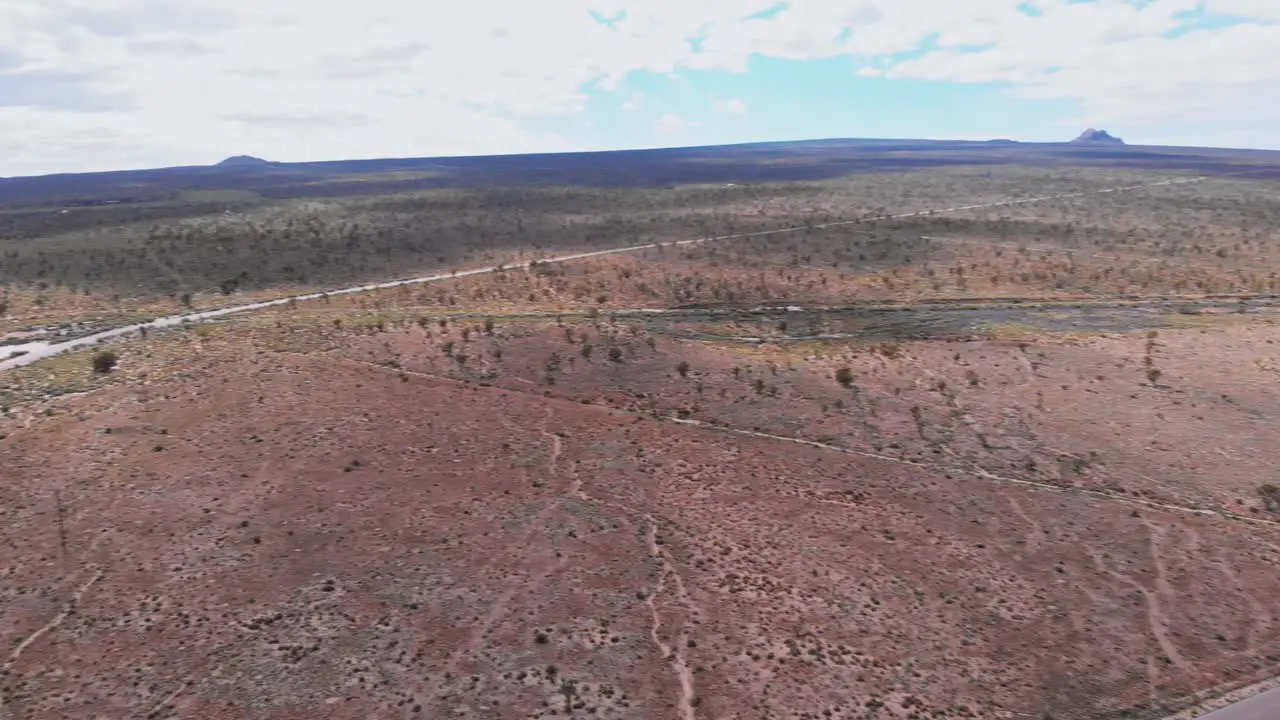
(999, 141)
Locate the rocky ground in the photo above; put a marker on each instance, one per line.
(288, 517)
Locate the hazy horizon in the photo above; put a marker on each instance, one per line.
(784, 141)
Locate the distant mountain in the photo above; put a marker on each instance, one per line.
(655, 167)
(244, 161)
(1097, 137)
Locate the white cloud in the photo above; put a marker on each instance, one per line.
(1259, 9)
(633, 103)
(1116, 61)
(88, 85)
(734, 106)
(672, 122)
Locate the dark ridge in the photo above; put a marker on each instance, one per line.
(1097, 137)
(244, 161)
(754, 162)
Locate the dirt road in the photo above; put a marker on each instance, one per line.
(1265, 706)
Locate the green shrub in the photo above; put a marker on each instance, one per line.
(105, 361)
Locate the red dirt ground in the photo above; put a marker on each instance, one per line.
(285, 536)
(1070, 410)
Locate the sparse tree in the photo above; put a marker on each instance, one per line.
(844, 376)
(104, 361)
(568, 688)
(918, 417)
(1270, 494)
(683, 369)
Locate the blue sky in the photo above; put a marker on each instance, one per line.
(825, 97)
(148, 83)
(802, 99)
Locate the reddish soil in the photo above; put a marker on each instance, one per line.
(1076, 411)
(289, 536)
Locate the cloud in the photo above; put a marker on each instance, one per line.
(733, 105)
(297, 120)
(179, 82)
(54, 90)
(1257, 9)
(672, 122)
(633, 103)
(1123, 64)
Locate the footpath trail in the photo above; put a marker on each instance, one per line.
(35, 352)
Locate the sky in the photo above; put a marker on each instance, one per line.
(90, 85)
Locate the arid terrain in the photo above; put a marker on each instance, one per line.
(1013, 461)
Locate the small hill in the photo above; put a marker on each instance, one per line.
(1097, 137)
(244, 161)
